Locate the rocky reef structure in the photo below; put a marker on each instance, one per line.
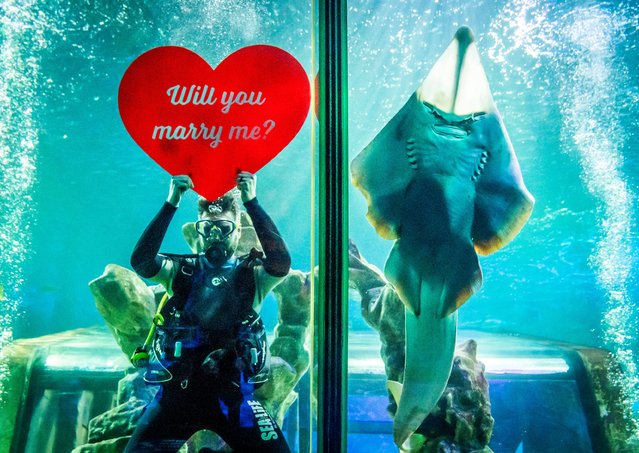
(290, 356)
(128, 306)
(59, 388)
(461, 421)
(618, 427)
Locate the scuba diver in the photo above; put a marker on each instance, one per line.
(208, 350)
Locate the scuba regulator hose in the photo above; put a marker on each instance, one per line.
(140, 357)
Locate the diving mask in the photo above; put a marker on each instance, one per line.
(216, 230)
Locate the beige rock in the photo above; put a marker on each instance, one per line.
(126, 303)
(132, 386)
(292, 351)
(293, 297)
(116, 445)
(298, 333)
(119, 421)
(205, 439)
(275, 393)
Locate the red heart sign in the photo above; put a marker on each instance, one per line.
(211, 123)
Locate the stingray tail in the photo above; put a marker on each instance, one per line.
(430, 346)
(432, 292)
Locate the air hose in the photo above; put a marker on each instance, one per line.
(140, 357)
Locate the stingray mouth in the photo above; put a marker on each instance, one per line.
(450, 131)
(450, 125)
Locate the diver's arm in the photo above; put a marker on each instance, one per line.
(277, 261)
(145, 259)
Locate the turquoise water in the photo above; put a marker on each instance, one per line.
(563, 75)
(91, 189)
(75, 190)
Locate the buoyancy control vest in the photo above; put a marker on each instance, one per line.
(209, 326)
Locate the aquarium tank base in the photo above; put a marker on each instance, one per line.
(544, 396)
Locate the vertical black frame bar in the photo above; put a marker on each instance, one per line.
(333, 229)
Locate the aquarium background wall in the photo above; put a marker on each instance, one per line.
(76, 192)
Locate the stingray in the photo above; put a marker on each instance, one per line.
(442, 180)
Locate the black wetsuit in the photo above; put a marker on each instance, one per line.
(222, 403)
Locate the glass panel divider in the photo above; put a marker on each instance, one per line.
(333, 229)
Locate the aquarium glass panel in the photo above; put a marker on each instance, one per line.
(441, 94)
(77, 191)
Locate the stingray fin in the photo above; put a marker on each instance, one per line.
(461, 282)
(396, 389)
(383, 190)
(502, 203)
(405, 278)
(448, 284)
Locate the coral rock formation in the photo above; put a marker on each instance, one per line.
(461, 421)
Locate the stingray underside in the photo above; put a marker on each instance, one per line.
(442, 179)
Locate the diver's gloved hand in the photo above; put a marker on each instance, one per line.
(179, 185)
(247, 183)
